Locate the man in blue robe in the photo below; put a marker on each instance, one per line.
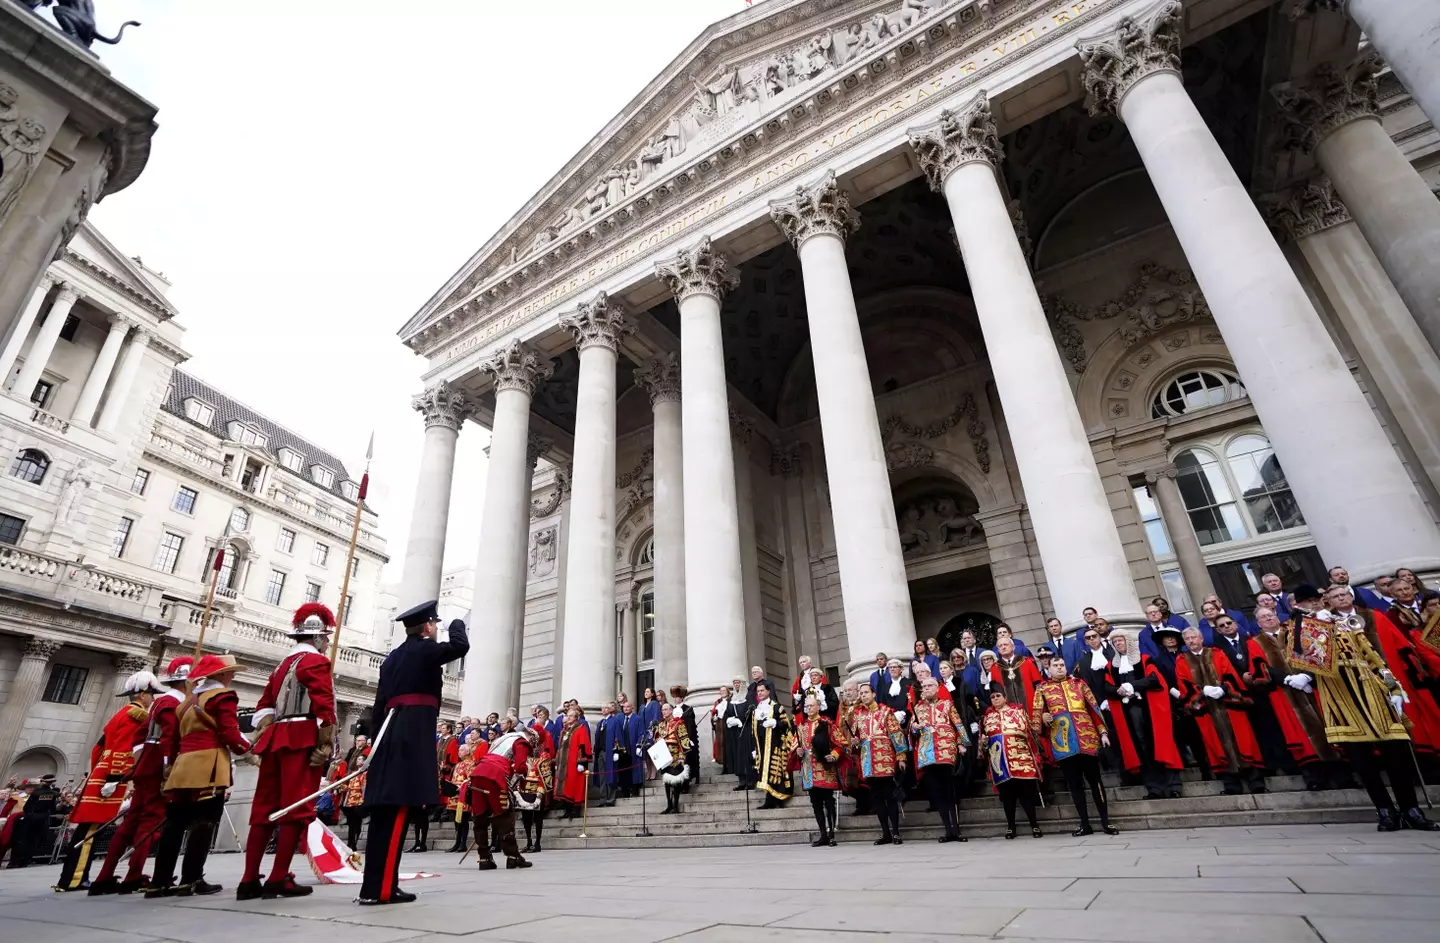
(608, 731)
(633, 733)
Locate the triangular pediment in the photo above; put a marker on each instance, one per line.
(90, 250)
(746, 71)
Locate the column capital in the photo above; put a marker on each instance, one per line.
(67, 295)
(598, 323)
(536, 445)
(960, 137)
(660, 377)
(41, 649)
(128, 663)
(1139, 46)
(742, 427)
(1304, 210)
(786, 459)
(143, 336)
(1329, 98)
(1022, 231)
(517, 366)
(1168, 470)
(698, 271)
(817, 209)
(443, 405)
(118, 322)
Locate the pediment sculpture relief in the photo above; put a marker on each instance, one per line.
(938, 522)
(1158, 298)
(733, 97)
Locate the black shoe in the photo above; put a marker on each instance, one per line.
(398, 896)
(202, 888)
(103, 886)
(517, 862)
(739, 788)
(820, 842)
(1153, 795)
(1035, 832)
(370, 902)
(1082, 831)
(831, 841)
(1389, 821)
(1009, 833)
(944, 839)
(488, 864)
(455, 849)
(884, 840)
(130, 887)
(417, 849)
(537, 849)
(1174, 794)
(1415, 819)
(959, 837)
(285, 888)
(166, 889)
(1110, 830)
(899, 840)
(247, 890)
(529, 848)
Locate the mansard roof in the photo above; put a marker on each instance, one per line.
(183, 386)
(741, 71)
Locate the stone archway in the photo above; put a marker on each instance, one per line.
(38, 761)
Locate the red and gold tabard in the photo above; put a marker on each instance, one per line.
(1067, 698)
(820, 772)
(111, 761)
(1008, 741)
(938, 732)
(460, 778)
(539, 784)
(879, 741)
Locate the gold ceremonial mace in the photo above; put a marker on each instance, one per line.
(209, 601)
(350, 557)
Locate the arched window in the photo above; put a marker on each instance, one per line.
(646, 556)
(30, 465)
(1196, 389)
(1262, 484)
(239, 520)
(1208, 498)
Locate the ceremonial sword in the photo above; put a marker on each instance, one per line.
(374, 745)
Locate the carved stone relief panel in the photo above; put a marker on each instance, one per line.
(938, 520)
(542, 551)
(1156, 299)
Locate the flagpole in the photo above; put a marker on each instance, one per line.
(209, 601)
(350, 557)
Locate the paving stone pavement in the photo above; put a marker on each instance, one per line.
(1281, 884)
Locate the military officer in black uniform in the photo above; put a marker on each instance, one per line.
(402, 772)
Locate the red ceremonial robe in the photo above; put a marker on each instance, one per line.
(574, 752)
(1422, 710)
(1029, 677)
(111, 761)
(1128, 754)
(1162, 724)
(1268, 686)
(284, 746)
(1190, 686)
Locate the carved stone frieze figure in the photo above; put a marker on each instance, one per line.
(76, 483)
(542, 551)
(938, 522)
(20, 146)
(913, 537)
(953, 525)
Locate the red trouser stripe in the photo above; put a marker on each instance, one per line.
(392, 857)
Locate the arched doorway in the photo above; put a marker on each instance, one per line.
(36, 762)
(981, 623)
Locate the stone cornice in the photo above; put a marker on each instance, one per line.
(1331, 97)
(960, 137)
(698, 271)
(443, 405)
(1139, 46)
(821, 208)
(517, 367)
(660, 377)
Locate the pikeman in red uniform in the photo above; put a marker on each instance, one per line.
(105, 789)
(296, 719)
(490, 800)
(153, 756)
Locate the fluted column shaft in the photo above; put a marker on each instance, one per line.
(445, 410)
(1182, 534)
(878, 617)
(1359, 502)
(1063, 491)
(714, 595)
(661, 378)
(588, 656)
(1336, 116)
(44, 345)
(498, 612)
(100, 371)
(24, 691)
(124, 380)
(21, 329)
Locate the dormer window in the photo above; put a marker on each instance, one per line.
(292, 460)
(247, 435)
(322, 476)
(350, 490)
(199, 412)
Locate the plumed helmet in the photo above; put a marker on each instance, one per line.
(178, 670)
(210, 665)
(312, 619)
(140, 682)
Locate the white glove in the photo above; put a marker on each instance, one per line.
(125, 806)
(615, 757)
(1105, 704)
(579, 767)
(974, 728)
(1175, 693)
(754, 755)
(1127, 689)
(1397, 702)
(135, 750)
(732, 721)
(900, 716)
(1300, 682)
(770, 724)
(1212, 692)
(108, 790)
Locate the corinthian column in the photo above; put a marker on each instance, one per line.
(1398, 361)
(714, 597)
(588, 656)
(535, 447)
(876, 593)
(1068, 505)
(660, 377)
(24, 691)
(100, 371)
(44, 344)
(1359, 501)
(498, 612)
(1406, 33)
(1335, 116)
(445, 410)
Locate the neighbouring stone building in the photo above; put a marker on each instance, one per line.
(870, 320)
(122, 477)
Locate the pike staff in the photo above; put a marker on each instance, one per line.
(350, 557)
(209, 602)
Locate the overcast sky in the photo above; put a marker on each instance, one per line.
(323, 166)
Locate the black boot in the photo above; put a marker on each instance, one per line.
(831, 814)
(820, 820)
(1415, 819)
(1389, 821)
(539, 830)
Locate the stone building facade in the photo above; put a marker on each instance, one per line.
(869, 321)
(122, 477)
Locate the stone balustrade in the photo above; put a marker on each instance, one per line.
(77, 585)
(187, 452)
(49, 421)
